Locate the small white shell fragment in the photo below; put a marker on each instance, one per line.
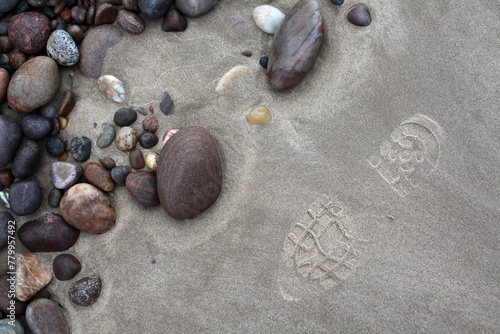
(227, 79)
(152, 161)
(168, 135)
(268, 18)
(112, 88)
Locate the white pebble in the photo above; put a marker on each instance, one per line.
(268, 18)
(112, 88)
(227, 79)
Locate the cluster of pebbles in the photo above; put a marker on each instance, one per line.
(37, 37)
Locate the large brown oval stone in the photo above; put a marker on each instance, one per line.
(98, 176)
(86, 208)
(189, 173)
(34, 84)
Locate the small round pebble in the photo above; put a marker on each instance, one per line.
(125, 117)
(107, 163)
(174, 21)
(50, 111)
(359, 16)
(338, 2)
(260, 116)
(54, 197)
(148, 140)
(26, 197)
(86, 291)
(263, 62)
(55, 146)
(119, 174)
(63, 122)
(66, 266)
(106, 136)
(136, 159)
(35, 126)
(17, 59)
(81, 148)
(247, 53)
(126, 139)
(150, 124)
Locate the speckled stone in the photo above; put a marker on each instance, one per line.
(130, 22)
(17, 59)
(143, 188)
(106, 136)
(359, 16)
(125, 117)
(29, 32)
(65, 174)
(136, 159)
(86, 291)
(126, 138)
(98, 176)
(44, 316)
(148, 140)
(174, 21)
(35, 126)
(26, 197)
(66, 266)
(11, 136)
(154, 9)
(27, 159)
(150, 124)
(81, 148)
(119, 174)
(62, 48)
(54, 197)
(32, 275)
(195, 7)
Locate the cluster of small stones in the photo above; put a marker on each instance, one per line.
(37, 37)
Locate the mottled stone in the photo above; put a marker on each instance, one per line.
(154, 9)
(49, 233)
(106, 136)
(55, 146)
(5, 221)
(81, 148)
(32, 275)
(35, 126)
(112, 88)
(65, 174)
(107, 163)
(150, 124)
(296, 45)
(189, 173)
(4, 83)
(86, 291)
(105, 13)
(136, 159)
(29, 32)
(130, 22)
(359, 16)
(54, 197)
(148, 140)
(126, 139)
(44, 316)
(86, 208)
(25, 197)
(174, 21)
(27, 159)
(268, 18)
(66, 266)
(6, 281)
(98, 176)
(10, 139)
(17, 59)
(119, 174)
(260, 116)
(152, 161)
(166, 104)
(62, 48)
(125, 117)
(40, 77)
(195, 7)
(143, 188)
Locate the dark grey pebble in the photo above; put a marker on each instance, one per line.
(86, 291)
(55, 127)
(125, 117)
(119, 174)
(35, 126)
(154, 9)
(148, 140)
(247, 53)
(10, 139)
(49, 111)
(359, 16)
(195, 7)
(27, 159)
(7, 5)
(54, 197)
(66, 266)
(166, 104)
(263, 62)
(81, 148)
(3, 28)
(62, 26)
(338, 2)
(5, 218)
(107, 135)
(25, 197)
(55, 146)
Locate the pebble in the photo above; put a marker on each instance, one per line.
(112, 88)
(4, 58)
(260, 116)
(5, 218)
(152, 161)
(6, 327)
(290, 62)
(268, 18)
(49, 233)
(359, 16)
(76, 32)
(40, 77)
(5, 198)
(131, 5)
(154, 9)
(7, 5)
(29, 32)
(136, 159)
(86, 291)
(10, 139)
(79, 14)
(167, 106)
(130, 22)
(4, 83)
(32, 275)
(189, 173)
(17, 59)
(44, 316)
(174, 21)
(6, 177)
(49, 111)
(125, 117)
(54, 197)
(169, 135)
(91, 15)
(55, 146)
(94, 47)
(338, 2)
(63, 122)
(108, 163)
(27, 159)
(126, 139)
(59, 7)
(66, 15)
(4, 296)
(35, 126)
(143, 188)
(148, 140)
(66, 266)
(68, 102)
(5, 44)
(65, 174)
(81, 148)
(106, 136)
(150, 124)
(246, 53)
(3, 25)
(105, 13)
(62, 48)
(232, 75)
(98, 176)
(64, 156)
(119, 174)
(263, 62)
(86, 208)
(26, 197)
(195, 7)
(37, 3)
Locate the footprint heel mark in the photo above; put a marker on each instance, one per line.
(411, 155)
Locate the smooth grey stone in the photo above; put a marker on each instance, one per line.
(54, 197)
(7, 5)
(44, 316)
(26, 197)
(55, 146)
(119, 174)
(35, 126)
(125, 117)
(154, 9)
(195, 7)
(10, 139)
(27, 159)
(107, 135)
(4, 59)
(50, 111)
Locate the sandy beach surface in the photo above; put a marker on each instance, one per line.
(369, 204)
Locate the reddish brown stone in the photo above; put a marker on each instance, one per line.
(136, 159)
(91, 15)
(17, 59)
(5, 301)
(131, 5)
(59, 7)
(29, 32)
(79, 14)
(130, 22)
(5, 44)
(4, 83)
(66, 266)
(105, 13)
(98, 176)
(76, 32)
(67, 104)
(66, 15)
(6, 178)
(143, 188)
(150, 124)
(32, 275)
(174, 21)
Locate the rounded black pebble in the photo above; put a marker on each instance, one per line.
(11, 136)
(5, 218)
(86, 291)
(359, 16)
(55, 127)
(119, 174)
(54, 197)
(263, 62)
(338, 2)
(66, 266)
(125, 117)
(27, 159)
(148, 140)
(49, 111)
(55, 146)
(81, 148)
(26, 197)
(35, 126)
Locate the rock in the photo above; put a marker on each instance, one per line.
(152, 161)
(49, 111)
(169, 135)
(55, 146)
(230, 77)
(35, 126)
(189, 173)
(5, 198)
(260, 115)
(27, 159)
(125, 117)
(142, 186)
(63, 122)
(98, 176)
(154, 9)
(112, 88)
(107, 163)
(7, 224)
(105, 13)
(106, 136)
(4, 83)
(65, 174)
(79, 14)
(10, 139)
(94, 47)
(6, 177)
(91, 15)
(148, 140)
(174, 21)
(195, 7)
(263, 62)
(119, 174)
(86, 208)
(37, 3)
(338, 2)
(81, 148)
(7, 5)
(131, 5)
(130, 22)
(66, 15)
(29, 32)
(32, 275)
(359, 16)
(6, 45)
(6, 327)
(64, 157)
(166, 104)
(67, 103)
(66, 266)
(3, 25)
(126, 139)
(76, 32)
(40, 77)
(17, 59)
(55, 127)
(49, 233)
(268, 18)
(54, 197)
(7, 284)
(136, 159)
(150, 124)
(246, 53)
(44, 316)
(25, 197)
(290, 62)
(62, 48)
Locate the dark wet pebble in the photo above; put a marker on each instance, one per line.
(55, 146)
(3, 28)
(338, 2)
(5, 218)
(62, 26)
(81, 148)
(10, 139)
(263, 62)
(44, 316)
(55, 127)
(131, 5)
(26, 197)
(166, 104)
(35, 126)
(54, 197)
(148, 140)
(247, 53)
(125, 117)
(107, 163)
(130, 22)
(195, 7)
(79, 14)
(119, 174)
(143, 188)
(174, 21)
(359, 16)
(85, 291)
(17, 59)
(68, 102)
(154, 9)
(6, 177)
(106, 136)
(50, 111)
(66, 266)
(105, 13)
(76, 32)
(7, 5)
(27, 159)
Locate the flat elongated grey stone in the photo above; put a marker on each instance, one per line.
(195, 7)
